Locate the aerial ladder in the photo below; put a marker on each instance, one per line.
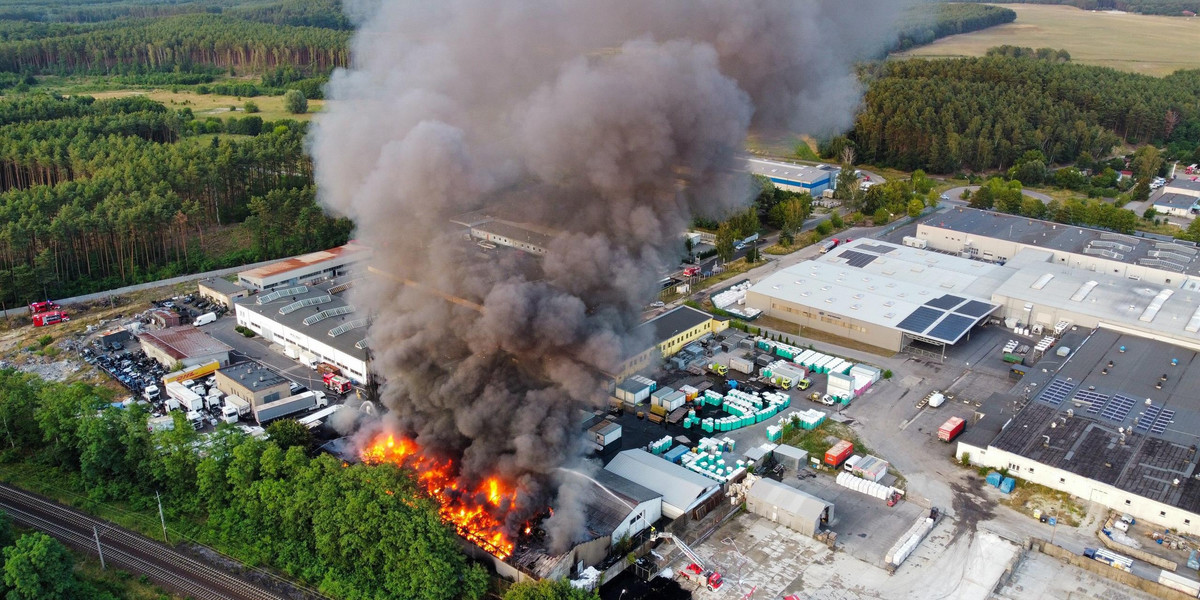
(697, 571)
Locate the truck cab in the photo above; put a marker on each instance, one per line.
(151, 393)
(229, 414)
(195, 418)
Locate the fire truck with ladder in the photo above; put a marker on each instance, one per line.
(336, 383)
(696, 572)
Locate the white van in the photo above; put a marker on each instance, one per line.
(205, 319)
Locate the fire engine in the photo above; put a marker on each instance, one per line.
(50, 318)
(696, 572)
(336, 383)
(41, 307)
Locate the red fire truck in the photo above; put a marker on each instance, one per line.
(41, 307)
(336, 383)
(50, 318)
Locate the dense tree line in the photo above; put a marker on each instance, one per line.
(984, 113)
(96, 195)
(179, 42)
(930, 22)
(1146, 7)
(312, 13)
(354, 532)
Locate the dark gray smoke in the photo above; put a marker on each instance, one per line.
(611, 123)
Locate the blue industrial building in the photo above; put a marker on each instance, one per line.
(798, 178)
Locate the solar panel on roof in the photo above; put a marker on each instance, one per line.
(1147, 418)
(1095, 400)
(975, 308)
(947, 302)
(1119, 408)
(919, 320)
(951, 328)
(1163, 419)
(1056, 392)
(876, 248)
(857, 259)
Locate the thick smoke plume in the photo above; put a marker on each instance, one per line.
(610, 124)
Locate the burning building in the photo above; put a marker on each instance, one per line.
(452, 106)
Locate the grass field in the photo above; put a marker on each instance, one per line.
(1152, 45)
(215, 105)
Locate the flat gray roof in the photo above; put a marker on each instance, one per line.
(794, 501)
(1181, 201)
(319, 330)
(1111, 433)
(222, 286)
(516, 232)
(1189, 183)
(926, 293)
(792, 173)
(252, 376)
(1057, 236)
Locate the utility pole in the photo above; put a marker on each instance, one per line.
(161, 517)
(96, 534)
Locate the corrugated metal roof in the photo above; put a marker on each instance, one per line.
(184, 342)
(789, 498)
(679, 487)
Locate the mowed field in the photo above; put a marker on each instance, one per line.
(1152, 45)
(215, 105)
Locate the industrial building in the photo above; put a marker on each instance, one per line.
(1188, 185)
(313, 268)
(667, 334)
(997, 237)
(220, 291)
(883, 294)
(313, 322)
(253, 383)
(186, 345)
(682, 490)
(797, 178)
(788, 506)
(1177, 205)
(164, 318)
(1118, 423)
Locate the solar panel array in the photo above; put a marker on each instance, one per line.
(946, 302)
(1095, 400)
(952, 327)
(857, 259)
(975, 308)
(876, 248)
(1119, 408)
(920, 319)
(1155, 420)
(1056, 391)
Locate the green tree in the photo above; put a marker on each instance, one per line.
(1150, 214)
(881, 216)
(1146, 162)
(548, 590)
(295, 102)
(1069, 178)
(250, 107)
(790, 214)
(835, 219)
(726, 238)
(289, 432)
(824, 228)
(1193, 231)
(915, 206)
(921, 183)
(6, 530)
(1141, 191)
(38, 567)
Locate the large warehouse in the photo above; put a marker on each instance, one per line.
(883, 294)
(311, 320)
(681, 489)
(788, 506)
(311, 268)
(1118, 423)
(668, 334)
(796, 177)
(186, 345)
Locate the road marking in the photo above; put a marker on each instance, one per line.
(915, 417)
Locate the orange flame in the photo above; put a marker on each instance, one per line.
(470, 516)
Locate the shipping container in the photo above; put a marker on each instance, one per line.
(675, 454)
(1112, 559)
(1175, 581)
(197, 372)
(951, 429)
(871, 468)
(605, 432)
(742, 365)
(187, 399)
(838, 454)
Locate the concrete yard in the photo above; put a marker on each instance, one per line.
(751, 551)
(1041, 577)
(866, 526)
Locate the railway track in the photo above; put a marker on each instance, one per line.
(130, 551)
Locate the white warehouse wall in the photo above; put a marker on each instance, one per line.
(1113, 497)
(642, 517)
(354, 367)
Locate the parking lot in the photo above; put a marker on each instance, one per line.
(866, 526)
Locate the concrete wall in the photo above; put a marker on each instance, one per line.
(1137, 553)
(230, 386)
(822, 319)
(226, 299)
(795, 522)
(1088, 489)
(1152, 587)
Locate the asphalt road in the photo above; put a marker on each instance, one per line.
(127, 550)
